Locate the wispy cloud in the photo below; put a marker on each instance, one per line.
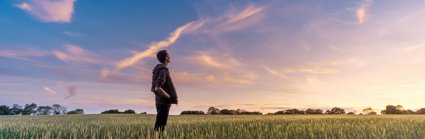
(21, 54)
(223, 68)
(234, 19)
(153, 48)
(112, 76)
(49, 10)
(201, 24)
(49, 90)
(247, 12)
(274, 72)
(362, 11)
(75, 53)
(71, 88)
(214, 62)
(327, 67)
(72, 34)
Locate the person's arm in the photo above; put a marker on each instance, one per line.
(161, 92)
(160, 81)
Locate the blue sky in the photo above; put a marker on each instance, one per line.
(254, 55)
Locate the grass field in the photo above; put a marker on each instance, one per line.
(216, 126)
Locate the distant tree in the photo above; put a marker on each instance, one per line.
(391, 109)
(129, 111)
(408, 112)
(77, 111)
(4, 110)
(44, 110)
(294, 111)
(250, 113)
(192, 113)
(350, 113)
(29, 109)
(399, 107)
(369, 111)
(111, 111)
(313, 111)
(227, 112)
(16, 109)
(421, 111)
(280, 112)
(143, 113)
(58, 109)
(335, 110)
(213, 110)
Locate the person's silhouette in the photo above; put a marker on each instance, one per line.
(163, 88)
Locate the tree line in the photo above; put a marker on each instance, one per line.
(216, 111)
(34, 109)
(389, 109)
(55, 109)
(116, 111)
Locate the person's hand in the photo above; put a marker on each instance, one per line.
(162, 92)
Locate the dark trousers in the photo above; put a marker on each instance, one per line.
(161, 116)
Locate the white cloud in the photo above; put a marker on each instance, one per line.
(49, 90)
(49, 10)
(153, 48)
(361, 11)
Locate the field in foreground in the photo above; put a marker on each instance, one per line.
(216, 126)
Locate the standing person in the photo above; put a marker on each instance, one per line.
(163, 88)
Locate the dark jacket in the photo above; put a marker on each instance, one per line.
(161, 78)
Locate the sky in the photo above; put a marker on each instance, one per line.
(263, 56)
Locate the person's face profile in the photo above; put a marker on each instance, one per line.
(167, 58)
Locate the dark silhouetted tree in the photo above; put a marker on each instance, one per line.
(129, 111)
(369, 111)
(16, 109)
(391, 109)
(294, 111)
(44, 110)
(250, 113)
(280, 112)
(111, 111)
(313, 111)
(58, 109)
(192, 113)
(4, 110)
(408, 112)
(421, 111)
(227, 112)
(77, 111)
(29, 109)
(213, 110)
(350, 113)
(335, 110)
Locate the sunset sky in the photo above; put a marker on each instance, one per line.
(256, 55)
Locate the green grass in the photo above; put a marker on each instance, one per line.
(219, 126)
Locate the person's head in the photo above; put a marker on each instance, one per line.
(163, 57)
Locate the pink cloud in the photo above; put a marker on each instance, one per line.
(71, 88)
(74, 53)
(49, 10)
(22, 53)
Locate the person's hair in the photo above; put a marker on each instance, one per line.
(161, 55)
